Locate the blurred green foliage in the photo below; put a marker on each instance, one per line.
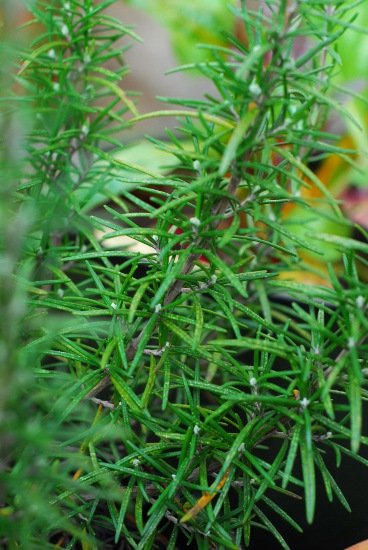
(191, 23)
(353, 49)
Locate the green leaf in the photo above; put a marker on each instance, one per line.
(256, 344)
(107, 353)
(177, 112)
(149, 530)
(229, 232)
(39, 51)
(356, 412)
(139, 501)
(307, 458)
(99, 284)
(150, 383)
(237, 136)
(123, 390)
(199, 320)
(324, 472)
(273, 471)
(271, 528)
(342, 243)
(140, 292)
(286, 154)
(237, 448)
(226, 310)
(171, 276)
(225, 271)
(116, 91)
(282, 513)
(278, 228)
(124, 506)
(137, 168)
(148, 330)
(329, 481)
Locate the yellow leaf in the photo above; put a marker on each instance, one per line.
(204, 500)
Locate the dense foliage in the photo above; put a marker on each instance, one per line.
(169, 392)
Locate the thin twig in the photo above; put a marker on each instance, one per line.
(105, 404)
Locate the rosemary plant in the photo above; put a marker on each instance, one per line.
(171, 393)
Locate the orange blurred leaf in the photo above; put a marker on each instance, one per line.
(204, 500)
